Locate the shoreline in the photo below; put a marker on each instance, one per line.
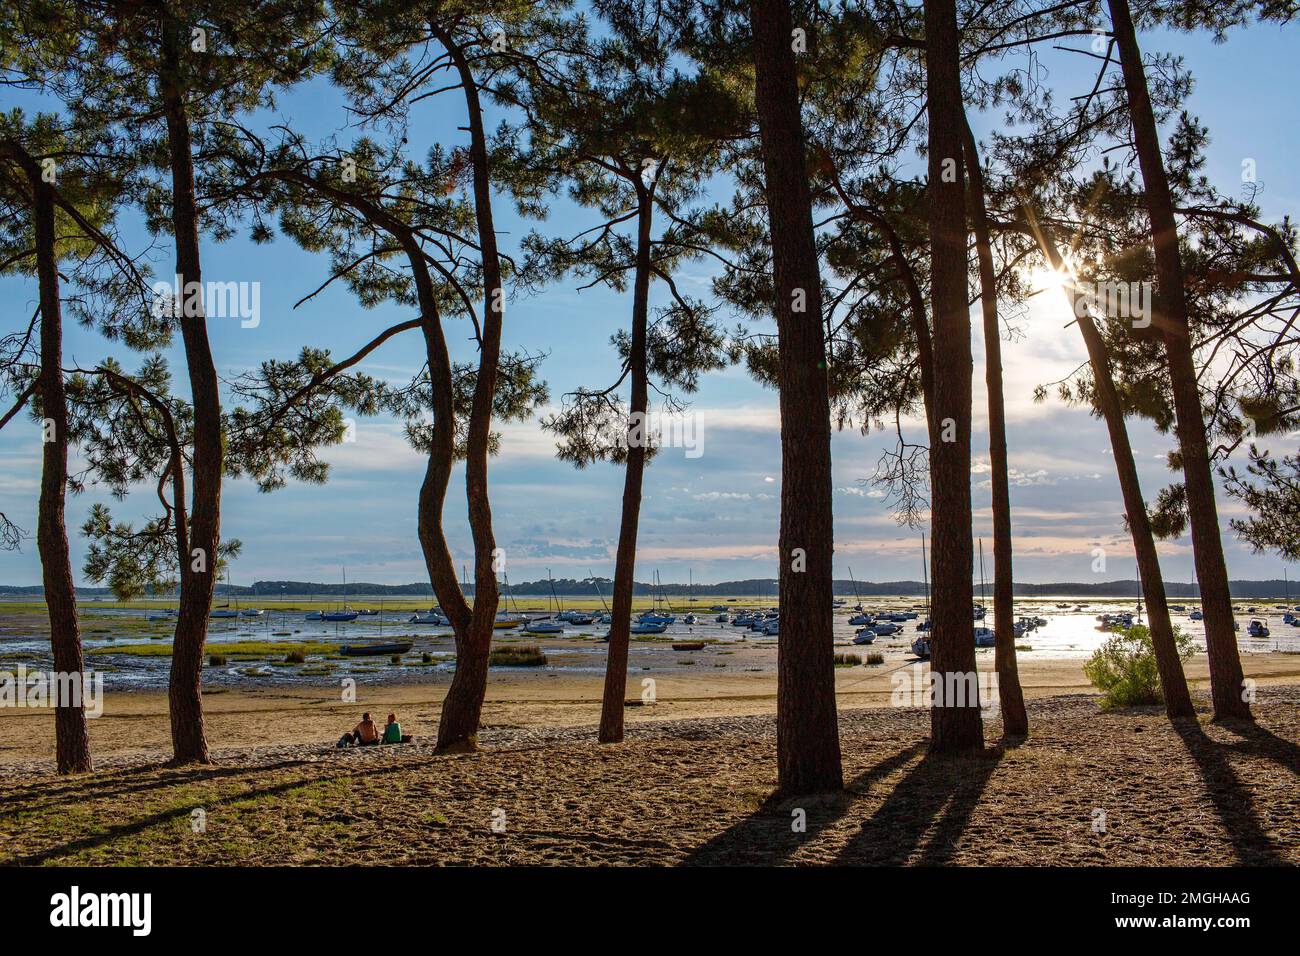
(134, 724)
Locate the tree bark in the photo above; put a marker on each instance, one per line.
(463, 705)
(198, 573)
(1173, 682)
(955, 724)
(1170, 314)
(1011, 699)
(72, 739)
(611, 711)
(808, 746)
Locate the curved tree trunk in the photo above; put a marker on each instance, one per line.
(955, 724)
(1178, 701)
(463, 705)
(198, 574)
(611, 710)
(1011, 699)
(807, 741)
(1226, 678)
(72, 739)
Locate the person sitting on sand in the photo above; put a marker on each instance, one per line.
(392, 730)
(364, 734)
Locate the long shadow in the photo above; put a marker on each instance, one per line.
(164, 816)
(939, 793)
(62, 796)
(1261, 742)
(1231, 800)
(765, 838)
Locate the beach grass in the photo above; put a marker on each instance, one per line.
(526, 655)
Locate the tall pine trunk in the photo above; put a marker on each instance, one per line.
(198, 573)
(1178, 701)
(463, 705)
(611, 710)
(955, 724)
(1226, 679)
(72, 739)
(808, 745)
(1011, 699)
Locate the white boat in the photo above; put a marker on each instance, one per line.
(544, 627)
(862, 620)
(433, 617)
(921, 648)
(645, 627)
(312, 616)
(1196, 616)
(1257, 628)
(223, 613)
(865, 636)
(885, 628)
(251, 612)
(984, 637)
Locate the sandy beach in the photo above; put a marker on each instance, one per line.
(135, 725)
(1087, 788)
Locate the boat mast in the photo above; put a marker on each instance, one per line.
(925, 576)
(555, 596)
(982, 605)
(596, 582)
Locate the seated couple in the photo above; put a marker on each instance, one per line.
(367, 733)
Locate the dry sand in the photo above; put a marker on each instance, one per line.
(135, 723)
(1086, 788)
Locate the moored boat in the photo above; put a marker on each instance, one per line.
(375, 650)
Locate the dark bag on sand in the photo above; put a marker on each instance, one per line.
(344, 741)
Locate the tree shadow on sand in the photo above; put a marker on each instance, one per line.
(937, 796)
(1232, 801)
(1259, 741)
(766, 837)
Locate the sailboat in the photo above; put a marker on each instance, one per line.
(344, 613)
(655, 615)
(504, 619)
(984, 636)
(225, 611)
(545, 625)
(921, 646)
(607, 617)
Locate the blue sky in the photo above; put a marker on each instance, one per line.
(715, 515)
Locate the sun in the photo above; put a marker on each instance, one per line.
(1045, 279)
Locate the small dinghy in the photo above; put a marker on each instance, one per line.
(375, 650)
(544, 627)
(865, 636)
(647, 628)
(689, 646)
(1257, 628)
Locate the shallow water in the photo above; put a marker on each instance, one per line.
(1069, 634)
